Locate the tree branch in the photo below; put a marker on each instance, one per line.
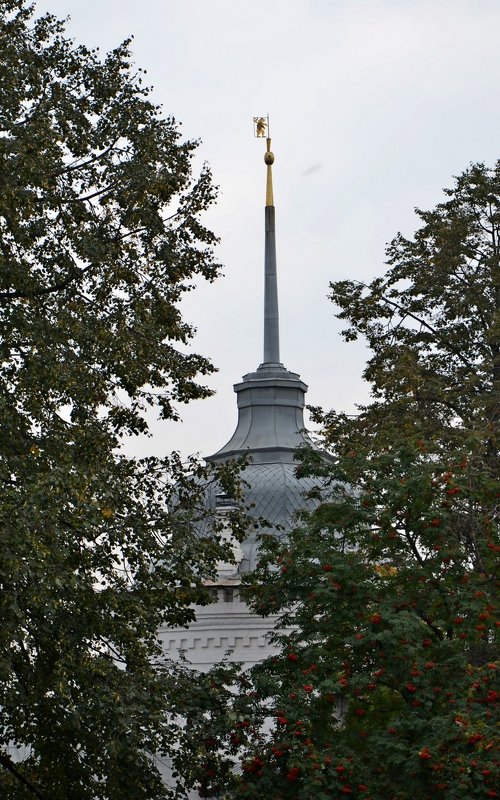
(83, 164)
(426, 325)
(91, 196)
(8, 764)
(56, 287)
(76, 275)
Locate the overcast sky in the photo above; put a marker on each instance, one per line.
(374, 106)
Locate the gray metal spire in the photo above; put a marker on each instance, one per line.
(270, 400)
(271, 313)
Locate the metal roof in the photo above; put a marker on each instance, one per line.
(274, 495)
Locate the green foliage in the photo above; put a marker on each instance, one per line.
(386, 596)
(100, 236)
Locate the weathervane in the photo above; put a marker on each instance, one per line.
(260, 126)
(261, 131)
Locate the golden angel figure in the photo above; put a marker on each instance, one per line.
(260, 126)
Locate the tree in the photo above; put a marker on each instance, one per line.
(100, 236)
(387, 684)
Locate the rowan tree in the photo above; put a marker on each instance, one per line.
(100, 236)
(387, 683)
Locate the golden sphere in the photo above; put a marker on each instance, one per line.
(269, 158)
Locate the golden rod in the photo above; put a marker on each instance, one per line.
(269, 160)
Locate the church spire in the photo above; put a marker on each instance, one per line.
(271, 314)
(271, 399)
